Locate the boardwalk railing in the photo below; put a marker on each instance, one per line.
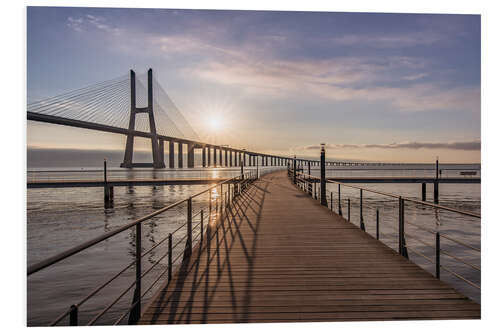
(196, 223)
(307, 183)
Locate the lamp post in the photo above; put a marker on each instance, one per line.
(323, 177)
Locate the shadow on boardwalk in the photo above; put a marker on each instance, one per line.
(212, 260)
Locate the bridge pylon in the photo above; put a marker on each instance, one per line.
(158, 158)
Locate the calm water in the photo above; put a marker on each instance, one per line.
(58, 219)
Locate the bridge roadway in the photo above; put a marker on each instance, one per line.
(279, 256)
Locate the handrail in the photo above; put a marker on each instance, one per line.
(461, 243)
(74, 250)
(301, 179)
(397, 196)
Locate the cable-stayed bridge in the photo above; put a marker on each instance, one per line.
(138, 106)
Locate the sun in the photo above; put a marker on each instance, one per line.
(215, 123)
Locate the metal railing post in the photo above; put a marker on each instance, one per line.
(438, 256)
(201, 226)
(294, 170)
(209, 206)
(136, 311)
(331, 201)
(73, 315)
(223, 198)
(349, 210)
(169, 257)
(340, 205)
(361, 222)
(377, 225)
(189, 241)
(402, 243)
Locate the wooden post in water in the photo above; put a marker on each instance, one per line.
(108, 190)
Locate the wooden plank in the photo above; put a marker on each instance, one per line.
(279, 256)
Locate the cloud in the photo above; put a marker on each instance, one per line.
(462, 145)
(253, 66)
(339, 79)
(87, 22)
(415, 76)
(390, 40)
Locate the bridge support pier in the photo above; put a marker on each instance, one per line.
(209, 156)
(424, 191)
(171, 158)
(225, 158)
(204, 157)
(161, 148)
(230, 158)
(179, 155)
(220, 157)
(190, 155)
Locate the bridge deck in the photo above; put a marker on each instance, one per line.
(281, 257)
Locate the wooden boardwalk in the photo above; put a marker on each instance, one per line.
(281, 257)
(56, 183)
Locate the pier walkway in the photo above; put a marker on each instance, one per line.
(279, 256)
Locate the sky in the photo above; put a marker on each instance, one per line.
(371, 86)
